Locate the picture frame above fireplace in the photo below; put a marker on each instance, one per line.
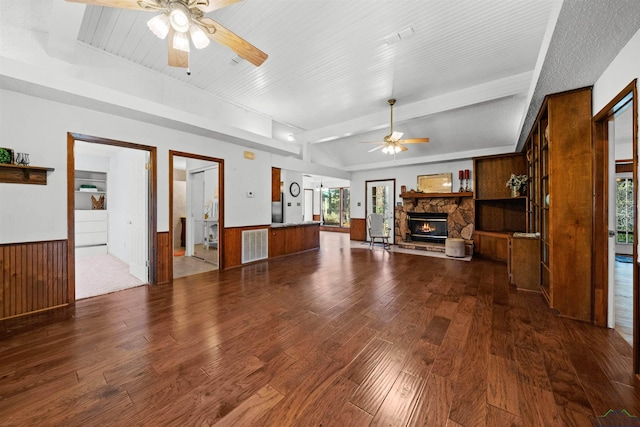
(435, 183)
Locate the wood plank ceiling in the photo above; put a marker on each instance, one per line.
(330, 72)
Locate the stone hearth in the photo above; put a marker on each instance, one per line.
(460, 220)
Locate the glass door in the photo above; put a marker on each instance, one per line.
(380, 199)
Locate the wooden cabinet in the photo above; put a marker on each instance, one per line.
(292, 239)
(497, 213)
(491, 245)
(561, 207)
(275, 184)
(524, 262)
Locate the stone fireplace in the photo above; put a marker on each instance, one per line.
(457, 211)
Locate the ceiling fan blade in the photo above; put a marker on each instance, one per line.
(374, 149)
(402, 147)
(122, 4)
(216, 4)
(396, 136)
(239, 45)
(176, 57)
(414, 140)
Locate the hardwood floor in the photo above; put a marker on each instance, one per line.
(333, 337)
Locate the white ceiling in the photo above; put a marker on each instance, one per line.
(465, 79)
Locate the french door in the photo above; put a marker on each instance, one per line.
(381, 196)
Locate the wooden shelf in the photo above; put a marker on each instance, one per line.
(418, 195)
(17, 174)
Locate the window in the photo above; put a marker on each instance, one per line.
(336, 207)
(624, 210)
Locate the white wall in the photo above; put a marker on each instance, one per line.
(404, 175)
(622, 70)
(36, 212)
(293, 206)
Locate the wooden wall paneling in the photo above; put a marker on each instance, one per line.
(276, 242)
(316, 217)
(492, 172)
(165, 257)
(33, 277)
(358, 229)
(293, 241)
(491, 245)
(571, 207)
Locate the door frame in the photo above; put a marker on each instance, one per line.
(393, 207)
(152, 211)
(600, 126)
(220, 162)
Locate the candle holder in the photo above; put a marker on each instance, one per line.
(461, 185)
(467, 188)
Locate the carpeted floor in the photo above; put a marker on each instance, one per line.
(102, 274)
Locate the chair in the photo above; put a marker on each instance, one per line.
(375, 223)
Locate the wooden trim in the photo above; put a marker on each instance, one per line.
(153, 204)
(221, 238)
(18, 174)
(71, 220)
(34, 277)
(600, 252)
(165, 257)
(335, 229)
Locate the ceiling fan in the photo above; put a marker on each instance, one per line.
(182, 20)
(392, 143)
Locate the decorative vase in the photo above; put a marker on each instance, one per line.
(515, 192)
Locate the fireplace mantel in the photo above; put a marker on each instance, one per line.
(418, 195)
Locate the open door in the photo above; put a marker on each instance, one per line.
(616, 126)
(139, 217)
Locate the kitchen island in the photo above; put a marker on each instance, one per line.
(288, 238)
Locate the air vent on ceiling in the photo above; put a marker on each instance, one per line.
(403, 34)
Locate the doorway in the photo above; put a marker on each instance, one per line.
(196, 206)
(111, 213)
(380, 198)
(615, 275)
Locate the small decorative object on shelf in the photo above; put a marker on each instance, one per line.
(6, 156)
(517, 183)
(466, 177)
(461, 178)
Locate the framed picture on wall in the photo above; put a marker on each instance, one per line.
(436, 183)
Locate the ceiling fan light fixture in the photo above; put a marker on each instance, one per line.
(181, 42)
(198, 37)
(179, 16)
(159, 25)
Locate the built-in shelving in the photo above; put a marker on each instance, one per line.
(19, 174)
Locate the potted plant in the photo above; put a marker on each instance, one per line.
(517, 183)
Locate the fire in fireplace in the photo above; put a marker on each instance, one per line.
(428, 227)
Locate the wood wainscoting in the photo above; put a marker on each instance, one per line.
(359, 229)
(33, 277)
(165, 257)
